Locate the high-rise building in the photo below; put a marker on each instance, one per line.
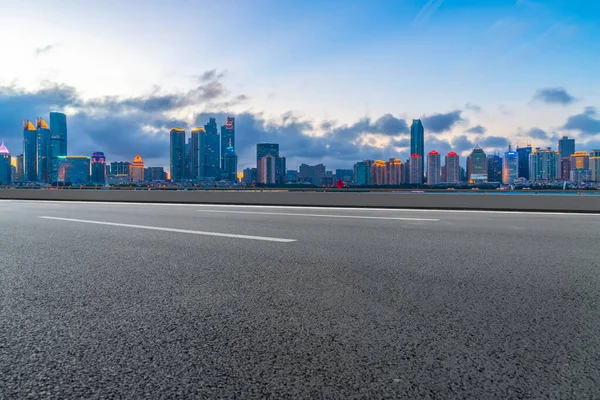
(523, 155)
(44, 151)
(120, 168)
(311, 173)
(266, 170)
(417, 142)
(250, 176)
(73, 169)
(58, 141)
(210, 156)
(188, 174)
(477, 166)
(580, 160)
(263, 149)
(346, 175)
(494, 168)
(565, 168)
(395, 172)
(416, 169)
(280, 168)
(452, 167)
(29, 152)
(378, 173)
(230, 165)
(154, 174)
(510, 167)
(566, 147)
(434, 168)
(544, 165)
(581, 175)
(136, 172)
(177, 154)
(198, 135)
(5, 165)
(227, 139)
(362, 172)
(98, 168)
(595, 165)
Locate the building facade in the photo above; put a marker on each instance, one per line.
(566, 147)
(580, 160)
(434, 168)
(379, 173)
(177, 154)
(227, 140)
(477, 166)
(73, 169)
(416, 169)
(395, 172)
(494, 168)
(266, 170)
(417, 142)
(58, 130)
(362, 172)
(523, 155)
(510, 167)
(544, 165)
(98, 175)
(452, 167)
(29, 152)
(44, 151)
(595, 165)
(136, 172)
(230, 165)
(210, 156)
(5, 166)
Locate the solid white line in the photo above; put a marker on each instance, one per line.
(157, 228)
(321, 215)
(417, 210)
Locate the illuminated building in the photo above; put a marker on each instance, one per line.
(566, 147)
(477, 166)
(136, 172)
(510, 167)
(417, 144)
(5, 166)
(58, 141)
(44, 151)
(378, 173)
(544, 164)
(565, 168)
(210, 156)
(17, 163)
(395, 172)
(452, 167)
(194, 148)
(416, 169)
(230, 165)
(523, 155)
(227, 140)
(266, 170)
(494, 168)
(177, 154)
(595, 165)
(362, 172)
(73, 169)
(580, 160)
(29, 152)
(98, 168)
(434, 168)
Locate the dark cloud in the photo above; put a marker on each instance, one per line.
(462, 143)
(480, 130)
(473, 107)
(554, 96)
(211, 75)
(402, 143)
(587, 123)
(537, 133)
(391, 126)
(43, 49)
(440, 145)
(438, 123)
(493, 142)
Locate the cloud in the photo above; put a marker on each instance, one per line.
(442, 146)
(537, 133)
(44, 49)
(554, 96)
(493, 142)
(211, 75)
(391, 126)
(473, 107)
(438, 123)
(427, 11)
(462, 143)
(480, 130)
(587, 123)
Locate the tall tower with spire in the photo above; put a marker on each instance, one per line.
(5, 166)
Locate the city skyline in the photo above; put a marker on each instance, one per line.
(506, 75)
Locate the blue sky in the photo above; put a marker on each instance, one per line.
(332, 81)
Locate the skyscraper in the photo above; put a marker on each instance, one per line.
(266, 170)
(262, 149)
(580, 160)
(523, 155)
(565, 168)
(73, 169)
(417, 142)
(177, 154)
(210, 156)
(29, 152)
(434, 173)
(280, 168)
(98, 168)
(595, 165)
(394, 173)
(452, 167)
(510, 164)
(5, 166)
(477, 166)
(137, 169)
(494, 168)
(230, 165)
(58, 130)
(44, 151)
(416, 169)
(227, 139)
(378, 173)
(362, 172)
(194, 147)
(566, 147)
(544, 164)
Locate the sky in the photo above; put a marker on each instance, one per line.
(333, 82)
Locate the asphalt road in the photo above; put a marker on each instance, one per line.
(168, 301)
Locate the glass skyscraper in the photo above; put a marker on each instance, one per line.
(566, 147)
(44, 151)
(494, 168)
(29, 152)
(177, 154)
(227, 139)
(73, 169)
(230, 165)
(523, 155)
(5, 166)
(477, 166)
(510, 164)
(417, 141)
(362, 172)
(194, 145)
(544, 164)
(58, 144)
(210, 156)
(98, 168)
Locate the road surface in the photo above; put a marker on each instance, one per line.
(201, 301)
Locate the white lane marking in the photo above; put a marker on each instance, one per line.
(158, 228)
(321, 215)
(417, 210)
